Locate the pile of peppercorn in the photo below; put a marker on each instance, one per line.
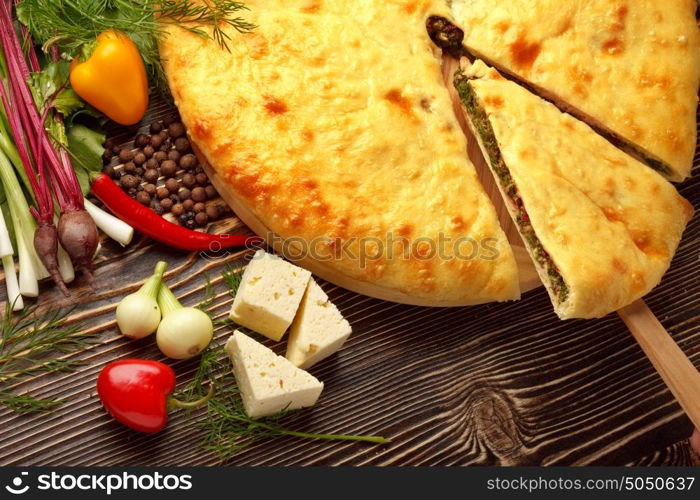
(161, 172)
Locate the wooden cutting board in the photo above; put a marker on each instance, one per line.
(491, 384)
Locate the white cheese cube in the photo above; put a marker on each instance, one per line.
(269, 295)
(318, 330)
(269, 383)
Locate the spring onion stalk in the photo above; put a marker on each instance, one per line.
(46, 164)
(65, 266)
(183, 332)
(115, 228)
(24, 226)
(138, 314)
(7, 256)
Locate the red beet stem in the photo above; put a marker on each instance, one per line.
(46, 246)
(78, 236)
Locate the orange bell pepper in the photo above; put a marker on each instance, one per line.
(113, 79)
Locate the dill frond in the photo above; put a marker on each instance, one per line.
(29, 342)
(73, 25)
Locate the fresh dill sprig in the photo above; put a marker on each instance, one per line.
(27, 340)
(232, 277)
(209, 296)
(73, 25)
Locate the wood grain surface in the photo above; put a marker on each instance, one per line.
(494, 384)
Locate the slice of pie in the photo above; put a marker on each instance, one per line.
(630, 68)
(600, 226)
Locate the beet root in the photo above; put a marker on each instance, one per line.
(46, 246)
(78, 236)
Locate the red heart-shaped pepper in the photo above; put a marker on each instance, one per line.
(135, 392)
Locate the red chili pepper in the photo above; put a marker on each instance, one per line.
(146, 221)
(136, 392)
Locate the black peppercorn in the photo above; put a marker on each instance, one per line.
(199, 207)
(129, 167)
(148, 151)
(160, 156)
(211, 192)
(150, 189)
(140, 158)
(188, 204)
(162, 192)
(184, 194)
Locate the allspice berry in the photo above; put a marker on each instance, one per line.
(188, 161)
(202, 179)
(212, 212)
(172, 185)
(126, 155)
(141, 140)
(129, 182)
(176, 129)
(151, 175)
(177, 209)
(156, 141)
(168, 168)
(143, 198)
(188, 180)
(201, 219)
(156, 127)
(167, 204)
(182, 144)
(174, 155)
(199, 194)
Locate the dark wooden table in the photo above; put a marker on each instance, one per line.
(502, 384)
